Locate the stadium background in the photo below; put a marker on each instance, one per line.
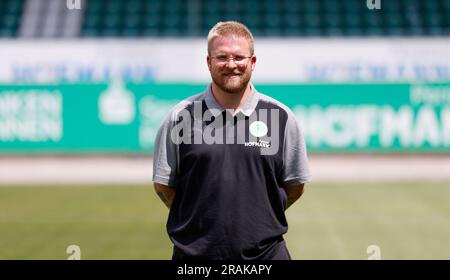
(84, 86)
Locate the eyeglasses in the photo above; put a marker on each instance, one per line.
(238, 59)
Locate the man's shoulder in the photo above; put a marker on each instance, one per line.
(186, 103)
(275, 104)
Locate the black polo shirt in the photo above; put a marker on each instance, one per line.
(229, 169)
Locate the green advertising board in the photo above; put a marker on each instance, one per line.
(122, 118)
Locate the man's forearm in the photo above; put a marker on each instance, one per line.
(165, 193)
(294, 192)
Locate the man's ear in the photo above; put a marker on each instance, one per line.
(253, 62)
(208, 61)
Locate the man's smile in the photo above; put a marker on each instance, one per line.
(231, 75)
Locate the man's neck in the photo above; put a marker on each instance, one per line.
(231, 100)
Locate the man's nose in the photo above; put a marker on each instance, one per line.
(231, 63)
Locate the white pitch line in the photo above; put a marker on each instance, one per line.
(123, 170)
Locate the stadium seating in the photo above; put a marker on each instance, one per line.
(10, 12)
(181, 18)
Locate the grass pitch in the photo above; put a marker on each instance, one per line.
(331, 221)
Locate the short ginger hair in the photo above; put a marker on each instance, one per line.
(230, 28)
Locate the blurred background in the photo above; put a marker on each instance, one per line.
(84, 86)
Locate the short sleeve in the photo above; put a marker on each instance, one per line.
(165, 155)
(295, 160)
